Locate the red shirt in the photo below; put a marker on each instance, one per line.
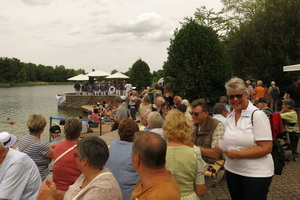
(65, 170)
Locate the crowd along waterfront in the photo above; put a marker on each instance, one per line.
(17, 103)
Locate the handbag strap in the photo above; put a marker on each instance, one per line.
(33, 141)
(59, 157)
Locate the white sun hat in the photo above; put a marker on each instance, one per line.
(7, 139)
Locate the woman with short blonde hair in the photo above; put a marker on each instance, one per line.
(185, 163)
(177, 127)
(39, 151)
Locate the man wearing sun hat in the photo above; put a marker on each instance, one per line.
(19, 175)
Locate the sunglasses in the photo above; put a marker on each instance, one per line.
(238, 96)
(196, 114)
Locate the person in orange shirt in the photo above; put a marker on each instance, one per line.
(259, 91)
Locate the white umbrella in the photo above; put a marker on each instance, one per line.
(117, 75)
(98, 72)
(80, 77)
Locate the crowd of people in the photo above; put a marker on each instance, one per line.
(165, 160)
(103, 88)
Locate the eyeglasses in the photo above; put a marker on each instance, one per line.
(165, 108)
(238, 96)
(196, 114)
(76, 155)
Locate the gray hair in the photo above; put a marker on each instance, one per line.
(95, 150)
(155, 120)
(236, 83)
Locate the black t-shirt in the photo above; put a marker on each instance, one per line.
(294, 92)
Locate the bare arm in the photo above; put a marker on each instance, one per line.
(49, 154)
(200, 190)
(117, 119)
(262, 149)
(210, 152)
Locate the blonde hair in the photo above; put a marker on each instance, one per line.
(259, 83)
(36, 123)
(177, 127)
(1, 146)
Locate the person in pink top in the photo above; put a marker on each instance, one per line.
(259, 91)
(65, 170)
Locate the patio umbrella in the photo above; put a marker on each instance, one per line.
(117, 75)
(98, 72)
(80, 77)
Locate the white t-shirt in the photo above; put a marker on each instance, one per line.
(19, 177)
(244, 136)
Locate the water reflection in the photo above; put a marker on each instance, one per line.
(16, 103)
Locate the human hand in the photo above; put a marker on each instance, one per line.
(47, 190)
(232, 154)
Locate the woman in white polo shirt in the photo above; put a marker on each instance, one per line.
(246, 146)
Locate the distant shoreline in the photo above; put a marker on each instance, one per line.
(4, 85)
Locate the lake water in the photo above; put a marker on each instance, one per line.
(17, 103)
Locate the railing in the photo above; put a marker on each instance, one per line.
(100, 124)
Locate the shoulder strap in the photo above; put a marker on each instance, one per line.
(252, 116)
(59, 157)
(27, 145)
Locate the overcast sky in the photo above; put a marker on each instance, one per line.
(93, 34)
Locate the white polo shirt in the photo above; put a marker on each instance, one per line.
(243, 136)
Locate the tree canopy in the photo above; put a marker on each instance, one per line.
(139, 74)
(269, 39)
(197, 66)
(13, 70)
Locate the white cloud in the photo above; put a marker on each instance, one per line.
(91, 33)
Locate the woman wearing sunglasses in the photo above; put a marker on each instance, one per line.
(246, 146)
(165, 108)
(95, 182)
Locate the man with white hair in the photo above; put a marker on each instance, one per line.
(157, 105)
(19, 175)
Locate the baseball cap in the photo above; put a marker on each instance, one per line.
(55, 129)
(7, 139)
(261, 100)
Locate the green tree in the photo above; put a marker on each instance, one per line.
(266, 41)
(22, 76)
(197, 65)
(139, 74)
(113, 71)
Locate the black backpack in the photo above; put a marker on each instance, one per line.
(277, 153)
(274, 92)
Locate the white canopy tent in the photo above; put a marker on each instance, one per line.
(80, 77)
(117, 75)
(291, 68)
(97, 73)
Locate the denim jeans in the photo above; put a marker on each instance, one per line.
(133, 112)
